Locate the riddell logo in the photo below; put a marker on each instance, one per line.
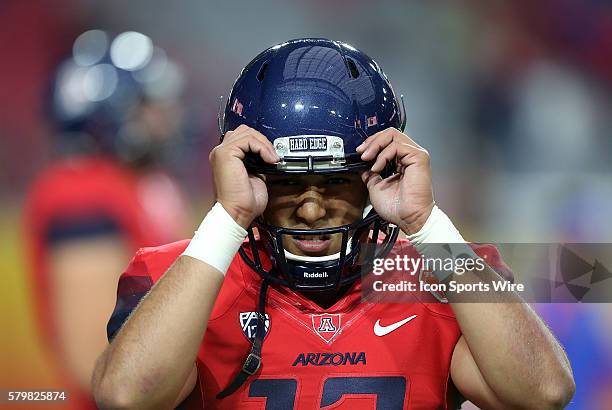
(330, 359)
(316, 275)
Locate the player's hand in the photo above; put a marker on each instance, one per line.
(242, 195)
(406, 198)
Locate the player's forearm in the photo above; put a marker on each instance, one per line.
(517, 355)
(150, 358)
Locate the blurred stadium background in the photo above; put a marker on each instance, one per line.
(513, 99)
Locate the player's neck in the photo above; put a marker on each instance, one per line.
(326, 298)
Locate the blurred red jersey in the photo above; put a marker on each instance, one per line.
(83, 197)
(355, 355)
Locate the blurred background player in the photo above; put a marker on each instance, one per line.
(114, 105)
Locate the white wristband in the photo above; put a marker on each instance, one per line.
(439, 239)
(217, 239)
(437, 229)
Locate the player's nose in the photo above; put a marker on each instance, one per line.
(311, 207)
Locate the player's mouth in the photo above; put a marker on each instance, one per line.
(313, 244)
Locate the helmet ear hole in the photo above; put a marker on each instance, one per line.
(262, 72)
(352, 68)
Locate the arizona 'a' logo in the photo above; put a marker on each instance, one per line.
(248, 323)
(326, 325)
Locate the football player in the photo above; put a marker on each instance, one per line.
(115, 109)
(315, 172)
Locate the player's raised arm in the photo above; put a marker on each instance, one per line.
(506, 357)
(150, 362)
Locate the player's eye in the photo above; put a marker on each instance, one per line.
(283, 182)
(337, 181)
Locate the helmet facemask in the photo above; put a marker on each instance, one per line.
(360, 242)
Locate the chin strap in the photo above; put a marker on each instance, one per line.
(253, 361)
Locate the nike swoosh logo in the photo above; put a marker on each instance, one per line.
(385, 330)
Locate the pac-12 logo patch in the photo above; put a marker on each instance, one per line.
(248, 323)
(326, 325)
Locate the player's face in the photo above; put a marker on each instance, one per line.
(314, 202)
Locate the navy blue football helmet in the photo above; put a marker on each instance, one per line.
(97, 91)
(315, 100)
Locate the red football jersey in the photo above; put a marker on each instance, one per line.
(354, 355)
(81, 195)
(84, 191)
